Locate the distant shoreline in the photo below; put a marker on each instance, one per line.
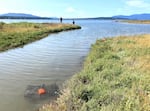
(95, 18)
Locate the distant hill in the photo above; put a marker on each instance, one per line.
(21, 16)
(18, 15)
(133, 17)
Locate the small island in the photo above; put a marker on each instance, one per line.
(136, 21)
(18, 34)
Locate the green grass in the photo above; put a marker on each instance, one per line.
(115, 77)
(18, 34)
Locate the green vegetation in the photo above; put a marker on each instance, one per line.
(18, 34)
(115, 77)
(136, 21)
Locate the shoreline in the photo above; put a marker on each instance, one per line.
(19, 34)
(135, 21)
(115, 76)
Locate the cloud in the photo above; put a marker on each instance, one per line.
(70, 10)
(137, 3)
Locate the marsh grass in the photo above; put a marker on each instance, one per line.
(136, 21)
(18, 34)
(115, 77)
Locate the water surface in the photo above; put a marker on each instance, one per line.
(53, 59)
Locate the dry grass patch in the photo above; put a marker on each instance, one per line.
(136, 21)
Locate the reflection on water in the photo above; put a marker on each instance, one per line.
(52, 60)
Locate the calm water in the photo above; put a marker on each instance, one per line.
(53, 59)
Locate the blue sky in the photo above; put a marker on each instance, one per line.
(75, 8)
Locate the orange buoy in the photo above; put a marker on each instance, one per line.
(41, 91)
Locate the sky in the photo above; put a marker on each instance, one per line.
(75, 8)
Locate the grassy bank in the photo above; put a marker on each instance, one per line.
(136, 21)
(18, 34)
(115, 77)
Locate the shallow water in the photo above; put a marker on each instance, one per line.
(53, 59)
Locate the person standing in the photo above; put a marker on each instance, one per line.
(73, 22)
(61, 19)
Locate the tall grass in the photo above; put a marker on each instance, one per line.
(18, 34)
(137, 21)
(115, 77)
